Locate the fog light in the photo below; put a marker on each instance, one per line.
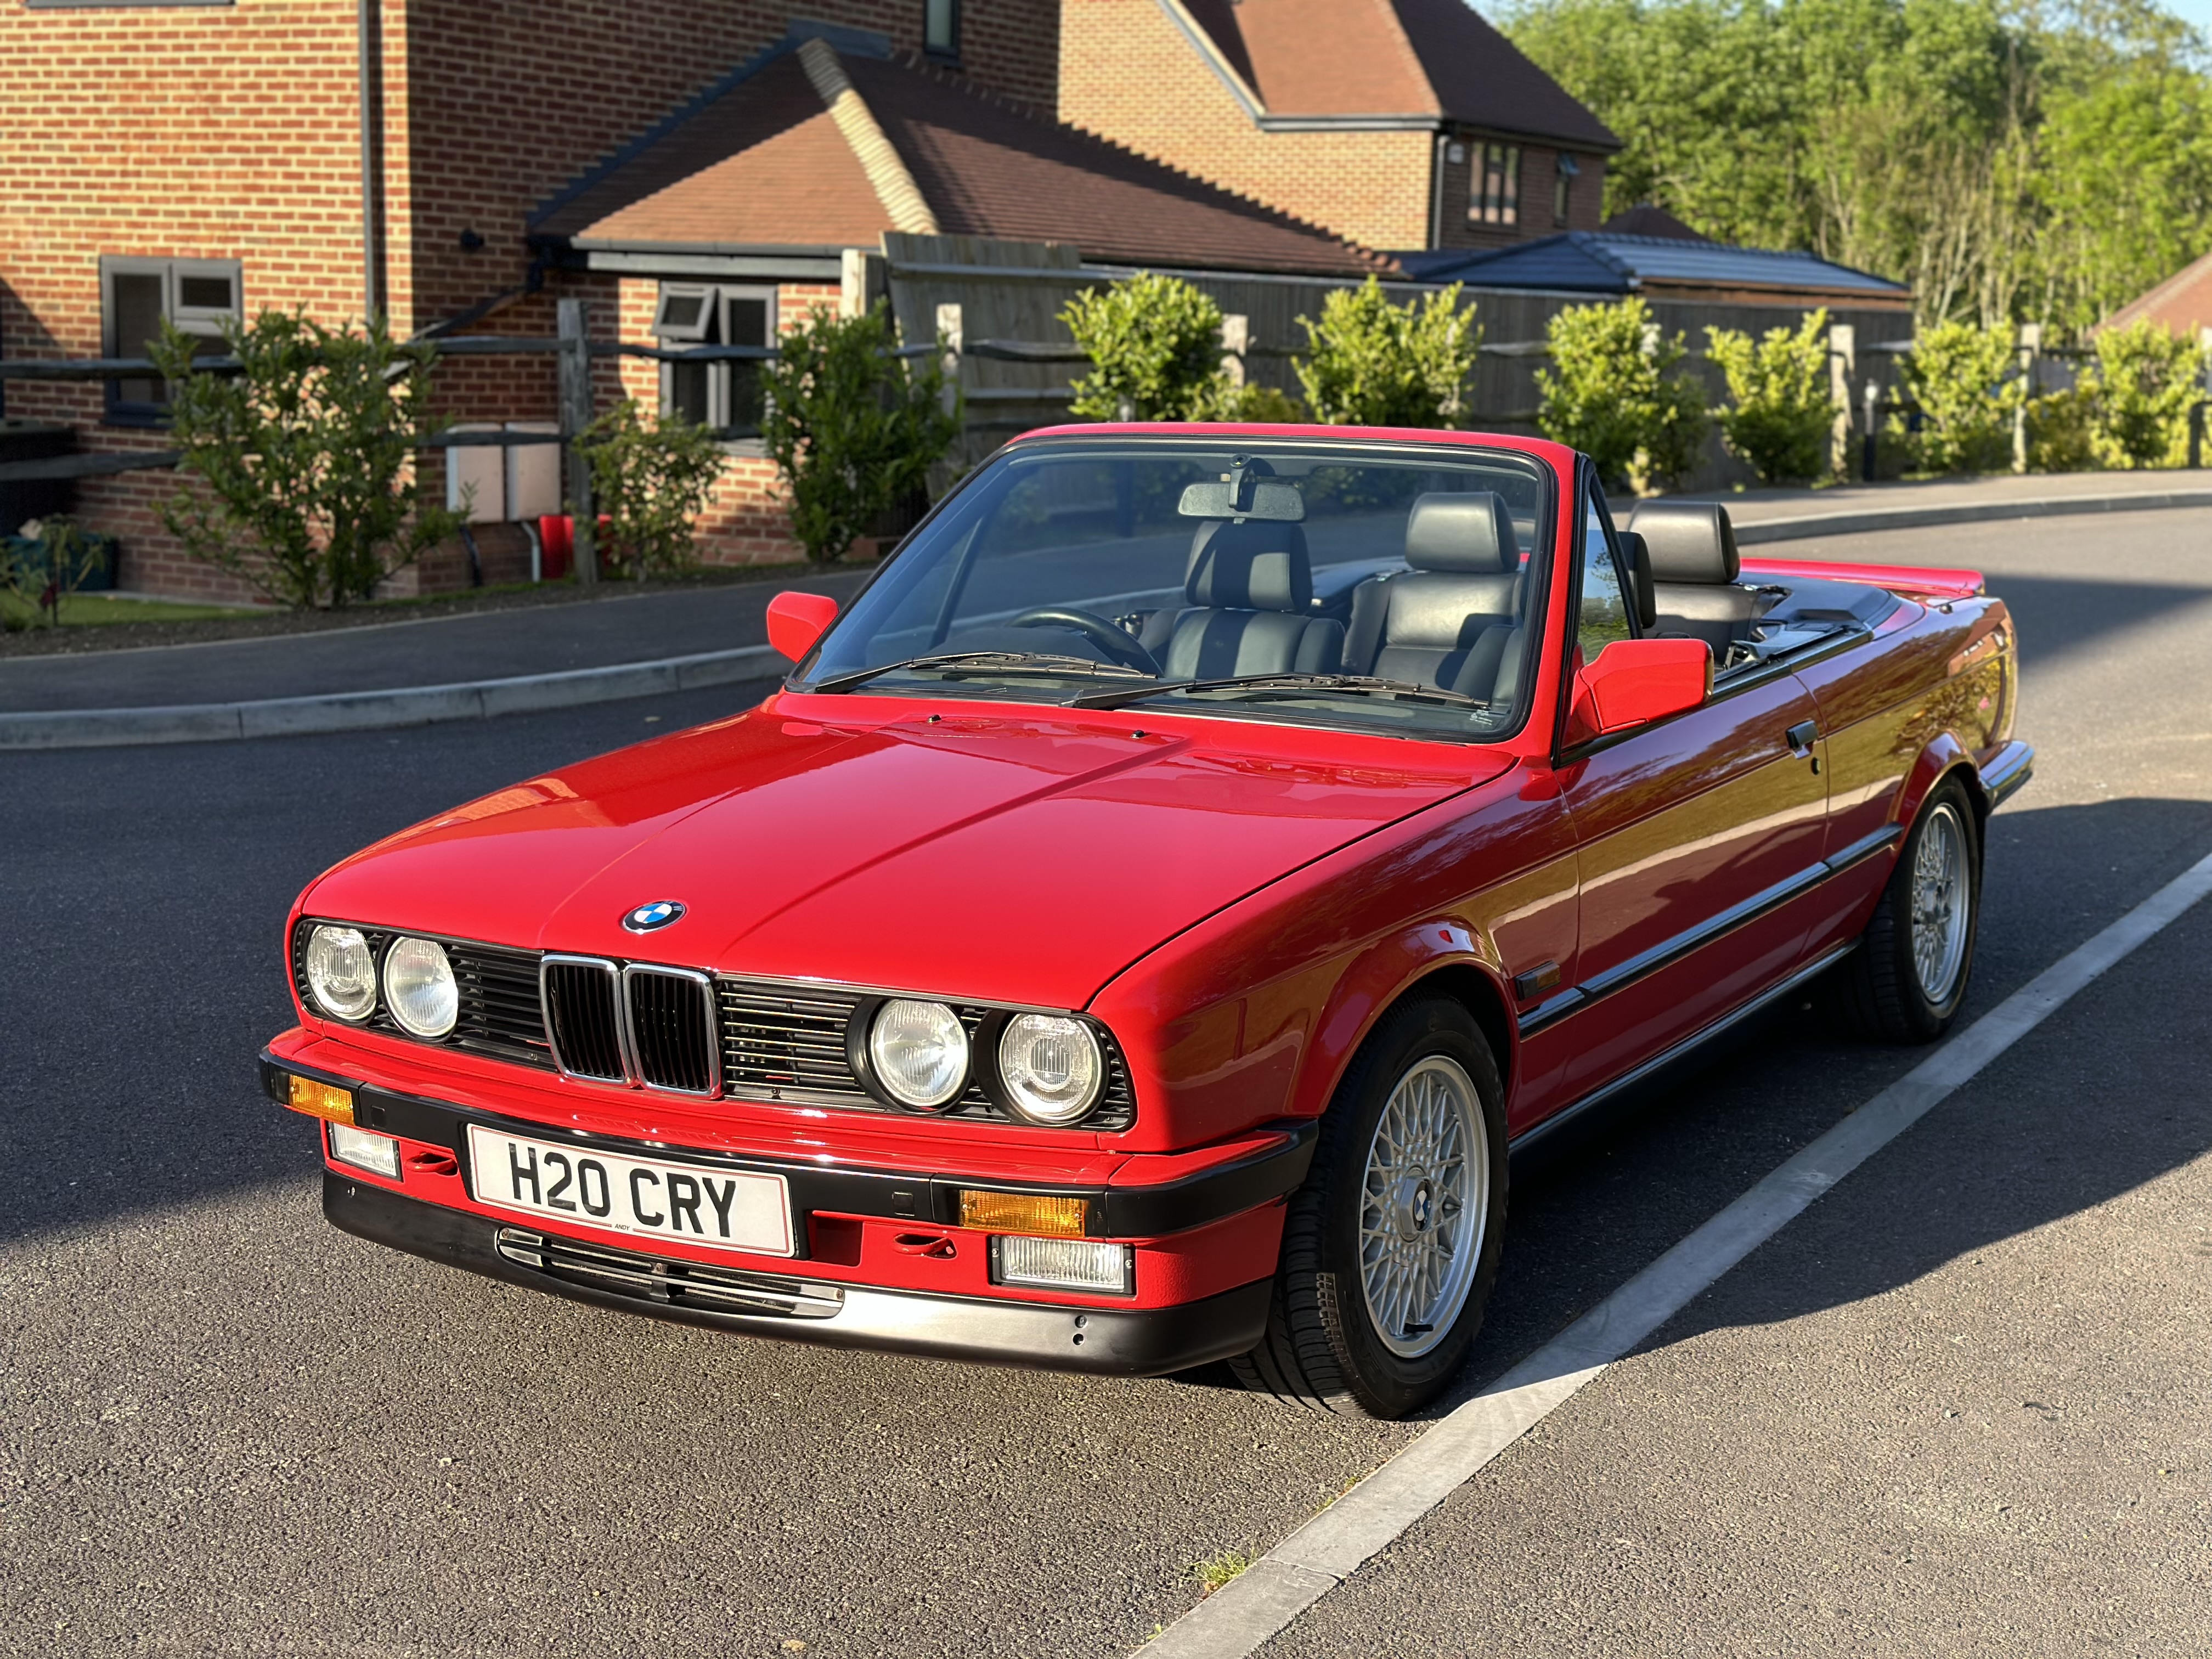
(320, 1099)
(1065, 1264)
(378, 1154)
(1022, 1213)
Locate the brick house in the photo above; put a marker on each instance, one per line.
(462, 164)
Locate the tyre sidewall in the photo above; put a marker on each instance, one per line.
(1930, 1019)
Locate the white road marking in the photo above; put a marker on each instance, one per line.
(1236, 1619)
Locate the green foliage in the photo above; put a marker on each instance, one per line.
(1613, 390)
(49, 559)
(650, 480)
(854, 428)
(1154, 343)
(2145, 380)
(1368, 362)
(2061, 437)
(1266, 404)
(1962, 377)
(305, 457)
(1781, 413)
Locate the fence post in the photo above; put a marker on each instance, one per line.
(1843, 364)
(575, 415)
(1236, 340)
(2031, 347)
(950, 336)
(1873, 427)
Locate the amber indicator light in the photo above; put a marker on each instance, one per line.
(1022, 1212)
(321, 1099)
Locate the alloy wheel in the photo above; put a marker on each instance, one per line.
(1425, 1202)
(1940, 890)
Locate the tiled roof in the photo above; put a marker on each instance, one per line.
(764, 164)
(1337, 58)
(2182, 302)
(1583, 261)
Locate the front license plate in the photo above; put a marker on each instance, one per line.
(696, 1203)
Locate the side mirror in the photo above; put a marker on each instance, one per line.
(1635, 681)
(795, 621)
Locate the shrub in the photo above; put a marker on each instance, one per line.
(306, 456)
(2060, 429)
(1961, 376)
(1613, 392)
(650, 480)
(852, 428)
(1268, 404)
(2146, 379)
(1154, 343)
(49, 559)
(1368, 362)
(1781, 414)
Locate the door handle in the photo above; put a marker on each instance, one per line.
(1799, 737)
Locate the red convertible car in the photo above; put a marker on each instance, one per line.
(1154, 916)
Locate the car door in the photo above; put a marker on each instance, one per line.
(1699, 839)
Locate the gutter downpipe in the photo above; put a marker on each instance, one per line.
(1436, 189)
(373, 298)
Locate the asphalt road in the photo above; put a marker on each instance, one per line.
(230, 1429)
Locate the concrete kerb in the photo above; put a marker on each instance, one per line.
(425, 705)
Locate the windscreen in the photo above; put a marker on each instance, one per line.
(1385, 587)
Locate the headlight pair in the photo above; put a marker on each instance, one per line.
(1050, 1067)
(419, 990)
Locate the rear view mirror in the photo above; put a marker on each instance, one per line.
(1264, 499)
(795, 621)
(1635, 681)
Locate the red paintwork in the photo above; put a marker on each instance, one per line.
(1239, 902)
(796, 620)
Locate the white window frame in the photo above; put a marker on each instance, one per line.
(713, 327)
(204, 321)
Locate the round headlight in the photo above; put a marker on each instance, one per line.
(920, 1052)
(342, 973)
(419, 988)
(1051, 1067)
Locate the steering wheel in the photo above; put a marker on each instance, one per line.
(1117, 643)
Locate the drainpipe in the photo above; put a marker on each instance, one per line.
(373, 298)
(1436, 192)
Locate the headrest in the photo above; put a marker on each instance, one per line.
(1690, 541)
(1467, 532)
(1249, 564)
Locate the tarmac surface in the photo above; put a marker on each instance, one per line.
(229, 1429)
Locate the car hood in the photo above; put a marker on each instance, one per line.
(1011, 856)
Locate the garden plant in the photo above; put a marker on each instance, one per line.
(1616, 391)
(1781, 414)
(1368, 362)
(651, 478)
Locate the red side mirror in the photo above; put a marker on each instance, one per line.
(1635, 681)
(795, 621)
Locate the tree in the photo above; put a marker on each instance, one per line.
(305, 457)
(651, 478)
(1781, 414)
(1368, 362)
(1962, 377)
(1615, 392)
(1154, 343)
(853, 427)
(2146, 379)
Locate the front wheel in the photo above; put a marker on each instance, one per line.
(1390, 1247)
(1907, 978)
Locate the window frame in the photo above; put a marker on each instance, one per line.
(1565, 171)
(711, 328)
(948, 52)
(204, 321)
(1500, 160)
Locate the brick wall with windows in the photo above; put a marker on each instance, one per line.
(1470, 217)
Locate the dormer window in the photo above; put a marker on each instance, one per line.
(1494, 196)
(940, 28)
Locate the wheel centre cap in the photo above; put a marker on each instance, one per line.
(1412, 1205)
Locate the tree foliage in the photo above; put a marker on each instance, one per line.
(1154, 343)
(651, 477)
(1964, 379)
(305, 457)
(1616, 391)
(854, 428)
(1781, 414)
(1368, 362)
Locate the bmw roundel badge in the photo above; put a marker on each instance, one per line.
(647, 918)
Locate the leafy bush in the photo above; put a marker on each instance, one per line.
(650, 480)
(1368, 362)
(1962, 378)
(852, 428)
(49, 559)
(1613, 392)
(306, 456)
(1267, 405)
(2145, 380)
(1781, 414)
(2061, 435)
(1154, 343)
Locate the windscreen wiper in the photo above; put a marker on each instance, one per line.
(1283, 685)
(1043, 662)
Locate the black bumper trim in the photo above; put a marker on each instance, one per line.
(1153, 1211)
(1113, 1341)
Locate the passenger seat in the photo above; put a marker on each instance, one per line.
(1449, 622)
(1693, 570)
(1251, 587)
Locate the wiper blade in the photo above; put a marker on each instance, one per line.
(1286, 685)
(1043, 662)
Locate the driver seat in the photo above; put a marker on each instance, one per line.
(1249, 589)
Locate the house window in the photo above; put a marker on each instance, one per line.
(725, 396)
(137, 296)
(1563, 188)
(940, 27)
(1495, 195)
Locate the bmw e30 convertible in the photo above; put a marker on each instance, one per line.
(1155, 915)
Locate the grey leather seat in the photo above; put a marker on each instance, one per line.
(1693, 571)
(1450, 621)
(1249, 585)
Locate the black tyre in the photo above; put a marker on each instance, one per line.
(1391, 1246)
(1907, 980)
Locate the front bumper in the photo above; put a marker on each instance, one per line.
(1119, 1342)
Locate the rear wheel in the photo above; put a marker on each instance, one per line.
(1907, 978)
(1391, 1245)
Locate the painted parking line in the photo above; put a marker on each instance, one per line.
(1298, 1572)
